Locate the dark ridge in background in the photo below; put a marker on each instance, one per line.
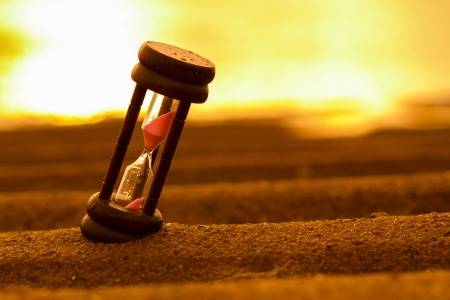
(76, 157)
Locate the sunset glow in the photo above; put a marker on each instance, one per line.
(81, 63)
(75, 57)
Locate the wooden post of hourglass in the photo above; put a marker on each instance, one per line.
(122, 143)
(124, 140)
(166, 158)
(177, 74)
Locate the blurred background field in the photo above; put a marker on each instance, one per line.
(328, 68)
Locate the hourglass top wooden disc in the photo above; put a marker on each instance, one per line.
(168, 86)
(176, 63)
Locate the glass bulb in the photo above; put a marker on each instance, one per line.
(137, 176)
(153, 109)
(133, 180)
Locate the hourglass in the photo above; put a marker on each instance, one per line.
(177, 78)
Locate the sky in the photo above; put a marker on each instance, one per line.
(357, 57)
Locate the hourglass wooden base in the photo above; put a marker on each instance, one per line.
(108, 224)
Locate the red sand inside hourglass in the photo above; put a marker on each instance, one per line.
(154, 133)
(157, 130)
(136, 204)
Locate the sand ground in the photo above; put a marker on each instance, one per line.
(317, 207)
(254, 202)
(387, 286)
(59, 258)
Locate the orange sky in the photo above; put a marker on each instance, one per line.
(74, 57)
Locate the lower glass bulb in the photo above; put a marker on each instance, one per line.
(133, 180)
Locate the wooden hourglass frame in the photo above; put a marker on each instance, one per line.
(179, 75)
